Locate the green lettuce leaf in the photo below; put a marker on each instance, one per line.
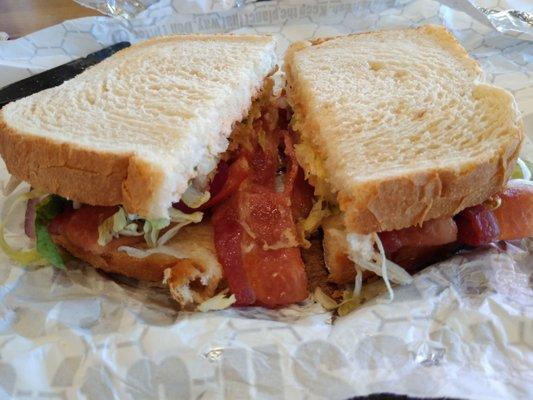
(45, 211)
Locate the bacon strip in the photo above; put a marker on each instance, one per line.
(228, 237)
(515, 213)
(225, 182)
(236, 173)
(432, 233)
(255, 232)
(477, 226)
(512, 219)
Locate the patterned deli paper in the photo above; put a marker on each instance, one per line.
(464, 328)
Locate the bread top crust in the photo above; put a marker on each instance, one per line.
(137, 127)
(403, 127)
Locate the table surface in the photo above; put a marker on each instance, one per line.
(20, 17)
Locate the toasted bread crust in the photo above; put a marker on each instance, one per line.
(78, 173)
(402, 200)
(421, 197)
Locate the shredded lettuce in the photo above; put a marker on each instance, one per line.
(310, 224)
(11, 185)
(362, 253)
(121, 223)
(21, 256)
(111, 227)
(193, 198)
(181, 219)
(358, 286)
(324, 300)
(130, 230)
(45, 211)
(218, 302)
(522, 170)
(151, 229)
(45, 250)
(349, 302)
(124, 224)
(384, 269)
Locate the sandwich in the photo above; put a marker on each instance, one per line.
(164, 163)
(173, 162)
(408, 150)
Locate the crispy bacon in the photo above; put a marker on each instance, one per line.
(248, 229)
(432, 233)
(255, 233)
(225, 182)
(236, 173)
(477, 225)
(301, 190)
(415, 258)
(474, 226)
(512, 219)
(515, 213)
(228, 237)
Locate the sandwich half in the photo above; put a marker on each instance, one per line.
(122, 157)
(408, 148)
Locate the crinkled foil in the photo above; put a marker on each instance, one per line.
(503, 20)
(509, 20)
(463, 329)
(129, 9)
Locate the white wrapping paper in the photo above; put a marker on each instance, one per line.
(463, 329)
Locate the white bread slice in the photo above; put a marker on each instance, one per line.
(136, 128)
(398, 126)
